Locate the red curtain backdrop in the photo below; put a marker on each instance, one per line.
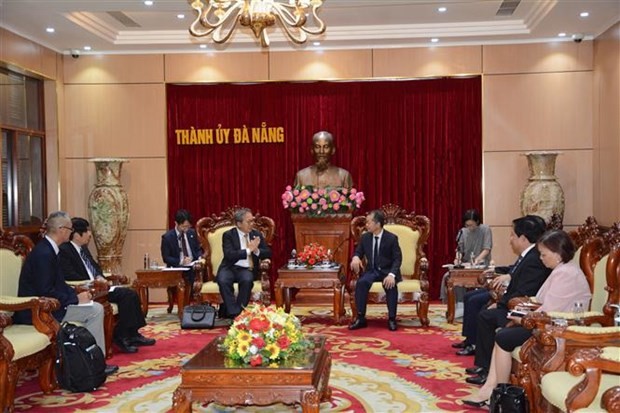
(415, 143)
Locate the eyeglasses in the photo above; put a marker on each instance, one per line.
(69, 228)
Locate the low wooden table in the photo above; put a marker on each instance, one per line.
(170, 278)
(211, 377)
(317, 277)
(460, 277)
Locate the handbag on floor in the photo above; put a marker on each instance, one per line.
(507, 398)
(198, 316)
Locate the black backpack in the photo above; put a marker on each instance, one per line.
(80, 362)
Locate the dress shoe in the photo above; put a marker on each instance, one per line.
(475, 370)
(125, 346)
(392, 325)
(359, 323)
(462, 344)
(467, 351)
(140, 340)
(475, 404)
(479, 380)
(110, 369)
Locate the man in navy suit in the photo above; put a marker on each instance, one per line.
(243, 247)
(179, 246)
(524, 278)
(384, 257)
(41, 276)
(77, 264)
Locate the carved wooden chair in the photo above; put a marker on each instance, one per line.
(591, 381)
(413, 232)
(23, 347)
(210, 231)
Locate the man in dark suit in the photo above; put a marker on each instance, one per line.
(77, 264)
(243, 247)
(41, 276)
(179, 246)
(384, 257)
(524, 278)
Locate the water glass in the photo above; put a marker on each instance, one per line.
(559, 324)
(578, 312)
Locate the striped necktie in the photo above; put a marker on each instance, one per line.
(87, 262)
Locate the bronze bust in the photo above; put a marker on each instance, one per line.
(322, 174)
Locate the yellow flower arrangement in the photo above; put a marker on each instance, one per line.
(262, 335)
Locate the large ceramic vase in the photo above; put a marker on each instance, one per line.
(108, 209)
(542, 195)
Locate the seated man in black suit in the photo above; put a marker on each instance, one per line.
(243, 246)
(524, 278)
(41, 276)
(179, 246)
(77, 264)
(384, 258)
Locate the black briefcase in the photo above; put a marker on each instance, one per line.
(198, 316)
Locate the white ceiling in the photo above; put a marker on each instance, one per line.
(350, 24)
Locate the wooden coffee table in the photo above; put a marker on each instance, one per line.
(170, 278)
(211, 377)
(316, 277)
(460, 277)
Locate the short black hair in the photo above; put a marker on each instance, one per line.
(378, 216)
(181, 216)
(471, 215)
(80, 226)
(559, 242)
(530, 226)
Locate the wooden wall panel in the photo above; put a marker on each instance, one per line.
(96, 69)
(115, 120)
(537, 57)
(316, 65)
(27, 55)
(216, 67)
(424, 62)
(537, 111)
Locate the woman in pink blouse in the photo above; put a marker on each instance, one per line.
(565, 286)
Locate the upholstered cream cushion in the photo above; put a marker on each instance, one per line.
(408, 241)
(516, 354)
(215, 243)
(594, 330)
(114, 308)
(599, 295)
(556, 385)
(576, 257)
(405, 286)
(25, 339)
(10, 267)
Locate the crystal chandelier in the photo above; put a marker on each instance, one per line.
(220, 18)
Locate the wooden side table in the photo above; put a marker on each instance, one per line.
(210, 377)
(460, 277)
(170, 278)
(317, 277)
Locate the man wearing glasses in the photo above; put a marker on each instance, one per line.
(41, 276)
(179, 246)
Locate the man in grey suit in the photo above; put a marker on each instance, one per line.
(384, 257)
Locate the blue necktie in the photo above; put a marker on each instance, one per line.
(514, 267)
(88, 263)
(375, 254)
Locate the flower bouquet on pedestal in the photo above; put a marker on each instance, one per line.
(261, 336)
(313, 254)
(321, 201)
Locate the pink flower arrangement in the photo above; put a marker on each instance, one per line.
(321, 201)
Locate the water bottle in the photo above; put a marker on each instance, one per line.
(472, 258)
(578, 312)
(147, 264)
(293, 260)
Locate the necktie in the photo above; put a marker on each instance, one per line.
(89, 265)
(183, 245)
(514, 267)
(250, 258)
(375, 253)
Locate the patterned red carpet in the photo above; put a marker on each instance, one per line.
(374, 370)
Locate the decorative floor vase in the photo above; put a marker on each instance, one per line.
(542, 195)
(108, 209)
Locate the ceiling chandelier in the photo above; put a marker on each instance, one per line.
(220, 18)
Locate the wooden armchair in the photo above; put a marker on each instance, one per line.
(210, 231)
(591, 381)
(23, 347)
(412, 231)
